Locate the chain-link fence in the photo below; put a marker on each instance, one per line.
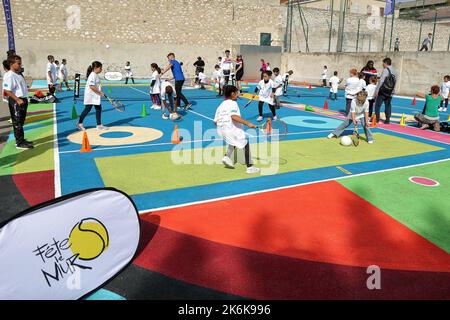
(339, 29)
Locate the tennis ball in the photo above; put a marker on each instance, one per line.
(346, 141)
(89, 239)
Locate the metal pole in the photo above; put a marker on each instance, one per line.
(290, 26)
(392, 25)
(331, 25)
(341, 26)
(434, 30)
(448, 44)
(384, 32)
(420, 35)
(370, 42)
(286, 34)
(357, 35)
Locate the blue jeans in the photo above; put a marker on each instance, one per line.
(387, 107)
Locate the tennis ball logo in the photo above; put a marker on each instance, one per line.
(89, 239)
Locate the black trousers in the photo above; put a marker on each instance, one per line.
(387, 107)
(126, 80)
(226, 75)
(87, 109)
(348, 105)
(424, 48)
(180, 95)
(260, 108)
(371, 103)
(446, 103)
(18, 116)
(52, 90)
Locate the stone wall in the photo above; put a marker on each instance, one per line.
(370, 36)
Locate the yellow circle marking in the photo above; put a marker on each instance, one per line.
(139, 135)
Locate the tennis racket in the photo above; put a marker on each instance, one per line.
(119, 106)
(355, 137)
(248, 103)
(274, 128)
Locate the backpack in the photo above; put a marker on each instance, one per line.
(389, 84)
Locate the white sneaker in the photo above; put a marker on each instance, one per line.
(227, 162)
(157, 108)
(275, 118)
(174, 116)
(370, 141)
(259, 119)
(444, 109)
(440, 109)
(81, 127)
(164, 116)
(251, 170)
(330, 136)
(102, 128)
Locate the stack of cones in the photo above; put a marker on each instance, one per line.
(403, 120)
(325, 105)
(176, 136)
(74, 112)
(269, 127)
(374, 122)
(414, 101)
(144, 111)
(85, 147)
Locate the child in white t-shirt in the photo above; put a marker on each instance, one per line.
(63, 75)
(359, 110)
(219, 79)
(445, 90)
(352, 87)
(128, 72)
(202, 80)
(168, 94)
(51, 75)
(362, 82)
(324, 76)
(286, 81)
(278, 86)
(155, 87)
(266, 89)
(370, 89)
(334, 86)
(230, 126)
(15, 90)
(93, 95)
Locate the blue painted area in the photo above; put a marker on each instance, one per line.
(104, 294)
(79, 170)
(116, 134)
(317, 122)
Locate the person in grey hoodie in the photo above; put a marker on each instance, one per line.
(385, 90)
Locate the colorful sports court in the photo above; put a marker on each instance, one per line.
(309, 226)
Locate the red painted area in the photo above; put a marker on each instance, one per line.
(424, 181)
(36, 187)
(259, 275)
(322, 222)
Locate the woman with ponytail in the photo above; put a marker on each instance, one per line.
(92, 96)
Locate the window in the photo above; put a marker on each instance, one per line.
(381, 12)
(265, 39)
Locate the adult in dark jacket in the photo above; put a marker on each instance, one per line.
(369, 71)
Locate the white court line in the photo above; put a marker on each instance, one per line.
(57, 170)
(183, 142)
(284, 187)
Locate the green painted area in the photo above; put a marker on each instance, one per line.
(13, 161)
(156, 171)
(425, 210)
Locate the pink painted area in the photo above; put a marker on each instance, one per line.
(424, 181)
(426, 134)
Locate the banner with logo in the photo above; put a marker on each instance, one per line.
(389, 8)
(69, 247)
(9, 24)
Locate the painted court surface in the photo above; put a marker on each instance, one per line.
(307, 228)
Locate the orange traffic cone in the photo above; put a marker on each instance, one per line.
(175, 136)
(85, 147)
(269, 127)
(414, 101)
(374, 121)
(325, 105)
